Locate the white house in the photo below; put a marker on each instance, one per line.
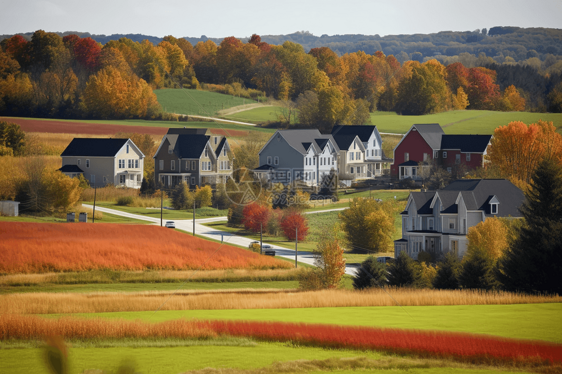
(104, 161)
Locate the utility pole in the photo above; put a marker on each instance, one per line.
(261, 238)
(94, 213)
(194, 215)
(296, 245)
(161, 206)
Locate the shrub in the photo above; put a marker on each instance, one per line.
(448, 271)
(403, 272)
(124, 200)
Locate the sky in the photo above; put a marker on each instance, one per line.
(221, 18)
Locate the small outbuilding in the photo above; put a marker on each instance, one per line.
(9, 208)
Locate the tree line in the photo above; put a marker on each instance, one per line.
(73, 77)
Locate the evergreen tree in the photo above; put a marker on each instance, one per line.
(371, 274)
(180, 197)
(448, 273)
(533, 262)
(403, 272)
(478, 271)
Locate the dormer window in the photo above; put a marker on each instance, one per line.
(127, 148)
(206, 153)
(494, 208)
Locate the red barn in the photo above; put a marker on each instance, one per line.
(427, 142)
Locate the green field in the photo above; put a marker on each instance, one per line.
(256, 115)
(196, 102)
(167, 214)
(272, 357)
(460, 121)
(518, 321)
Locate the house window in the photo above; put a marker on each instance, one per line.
(224, 151)
(444, 154)
(449, 170)
(451, 223)
(127, 148)
(121, 164)
(406, 157)
(216, 139)
(136, 164)
(173, 164)
(122, 179)
(206, 153)
(187, 165)
(170, 150)
(138, 177)
(193, 165)
(161, 164)
(79, 161)
(457, 158)
(358, 155)
(426, 156)
(93, 179)
(468, 157)
(354, 145)
(87, 163)
(435, 154)
(130, 164)
(494, 208)
(430, 223)
(132, 177)
(313, 175)
(351, 155)
(104, 179)
(269, 160)
(192, 180)
(276, 160)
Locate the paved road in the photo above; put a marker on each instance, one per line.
(222, 120)
(226, 237)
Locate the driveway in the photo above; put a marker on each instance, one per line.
(226, 237)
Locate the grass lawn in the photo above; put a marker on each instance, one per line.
(167, 214)
(107, 218)
(270, 356)
(196, 102)
(519, 321)
(376, 194)
(139, 287)
(460, 121)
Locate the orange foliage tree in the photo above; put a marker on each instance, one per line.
(292, 221)
(255, 217)
(517, 149)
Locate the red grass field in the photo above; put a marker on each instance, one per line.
(460, 346)
(44, 247)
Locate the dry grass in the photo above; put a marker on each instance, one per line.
(31, 327)
(104, 276)
(13, 171)
(109, 193)
(47, 303)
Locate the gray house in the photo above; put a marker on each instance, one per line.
(438, 221)
(297, 155)
(194, 156)
(104, 161)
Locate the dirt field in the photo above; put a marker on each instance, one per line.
(65, 127)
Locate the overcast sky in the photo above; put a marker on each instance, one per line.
(221, 18)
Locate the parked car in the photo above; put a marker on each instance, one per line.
(385, 259)
(170, 224)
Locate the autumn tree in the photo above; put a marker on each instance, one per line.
(292, 221)
(482, 90)
(247, 156)
(368, 224)
(12, 137)
(255, 217)
(511, 100)
(533, 262)
(517, 149)
(329, 260)
(203, 196)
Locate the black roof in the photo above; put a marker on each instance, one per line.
(265, 167)
(409, 163)
(219, 147)
(71, 169)
(362, 131)
(187, 131)
(94, 147)
(321, 142)
(344, 141)
(190, 146)
(466, 143)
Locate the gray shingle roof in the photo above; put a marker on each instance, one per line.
(466, 143)
(423, 201)
(364, 132)
(298, 138)
(94, 147)
(432, 133)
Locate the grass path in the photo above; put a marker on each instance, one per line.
(521, 321)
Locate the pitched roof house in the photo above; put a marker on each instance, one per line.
(428, 142)
(297, 155)
(104, 161)
(356, 161)
(194, 156)
(438, 221)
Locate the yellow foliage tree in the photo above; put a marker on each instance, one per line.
(203, 196)
(460, 100)
(512, 100)
(64, 192)
(490, 236)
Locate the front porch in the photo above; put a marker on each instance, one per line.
(413, 244)
(171, 180)
(130, 179)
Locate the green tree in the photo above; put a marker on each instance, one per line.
(478, 270)
(533, 261)
(12, 137)
(369, 224)
(448, 273)
(404, 271)
(180, 197)
(371, 274)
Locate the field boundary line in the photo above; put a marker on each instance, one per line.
(214, 119)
